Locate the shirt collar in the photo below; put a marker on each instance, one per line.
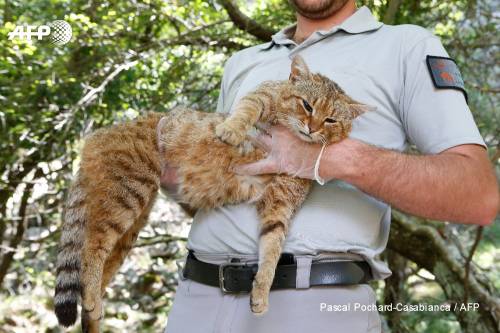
(361, 21)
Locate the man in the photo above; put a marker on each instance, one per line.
(400, 70)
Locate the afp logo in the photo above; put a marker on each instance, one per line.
(59, 32)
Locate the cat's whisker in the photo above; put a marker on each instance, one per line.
(295, 123)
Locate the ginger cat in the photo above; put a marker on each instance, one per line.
(119, 177)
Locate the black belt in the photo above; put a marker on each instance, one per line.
(236, 277)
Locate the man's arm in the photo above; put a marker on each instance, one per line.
(457, 184)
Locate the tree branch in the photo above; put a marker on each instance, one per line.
(477, 240)
(21, 226)
(394, 289)
(92, 94)
(392, 10)
(479, 234)
(245, 23)
(423, 245)
(148, 241)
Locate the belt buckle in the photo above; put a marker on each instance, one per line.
(221, 275)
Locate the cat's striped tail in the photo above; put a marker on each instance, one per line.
(68, 287)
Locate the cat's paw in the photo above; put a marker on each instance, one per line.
(259, 299)
(245, 148)
(92, 307)
(88, 325)
(229, 134)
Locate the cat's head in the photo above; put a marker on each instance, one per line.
(319, 110)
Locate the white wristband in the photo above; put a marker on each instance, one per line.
(320, 180)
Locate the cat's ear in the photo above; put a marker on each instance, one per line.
(357, 109)
(299, 70)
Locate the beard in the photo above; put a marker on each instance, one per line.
(317, 9)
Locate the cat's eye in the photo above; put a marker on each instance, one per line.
(307, 106)
(330, 121)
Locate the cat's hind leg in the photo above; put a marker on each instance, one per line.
(111, 266)
(100, 238)
(120, 252)
(282, 197)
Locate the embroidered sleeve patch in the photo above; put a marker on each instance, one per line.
(445, 73)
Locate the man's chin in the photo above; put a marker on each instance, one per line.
(319, 10)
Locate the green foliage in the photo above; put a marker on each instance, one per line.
(128, 57)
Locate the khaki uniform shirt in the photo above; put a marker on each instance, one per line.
(376, 64)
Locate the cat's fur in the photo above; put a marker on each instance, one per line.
(112, 194)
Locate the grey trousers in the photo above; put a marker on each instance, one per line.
(199, 308)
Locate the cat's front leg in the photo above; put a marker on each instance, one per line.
(231, 132)
(249, 110)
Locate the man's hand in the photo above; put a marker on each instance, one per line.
(286, 153)
(168, 179)
(169, 182)
(457, 185)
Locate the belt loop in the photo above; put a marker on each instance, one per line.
(303, 272)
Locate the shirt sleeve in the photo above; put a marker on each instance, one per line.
(435, 119)
(223, 101)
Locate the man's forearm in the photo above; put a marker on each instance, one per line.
(447, 186)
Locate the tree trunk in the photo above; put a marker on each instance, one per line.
(391, 11)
